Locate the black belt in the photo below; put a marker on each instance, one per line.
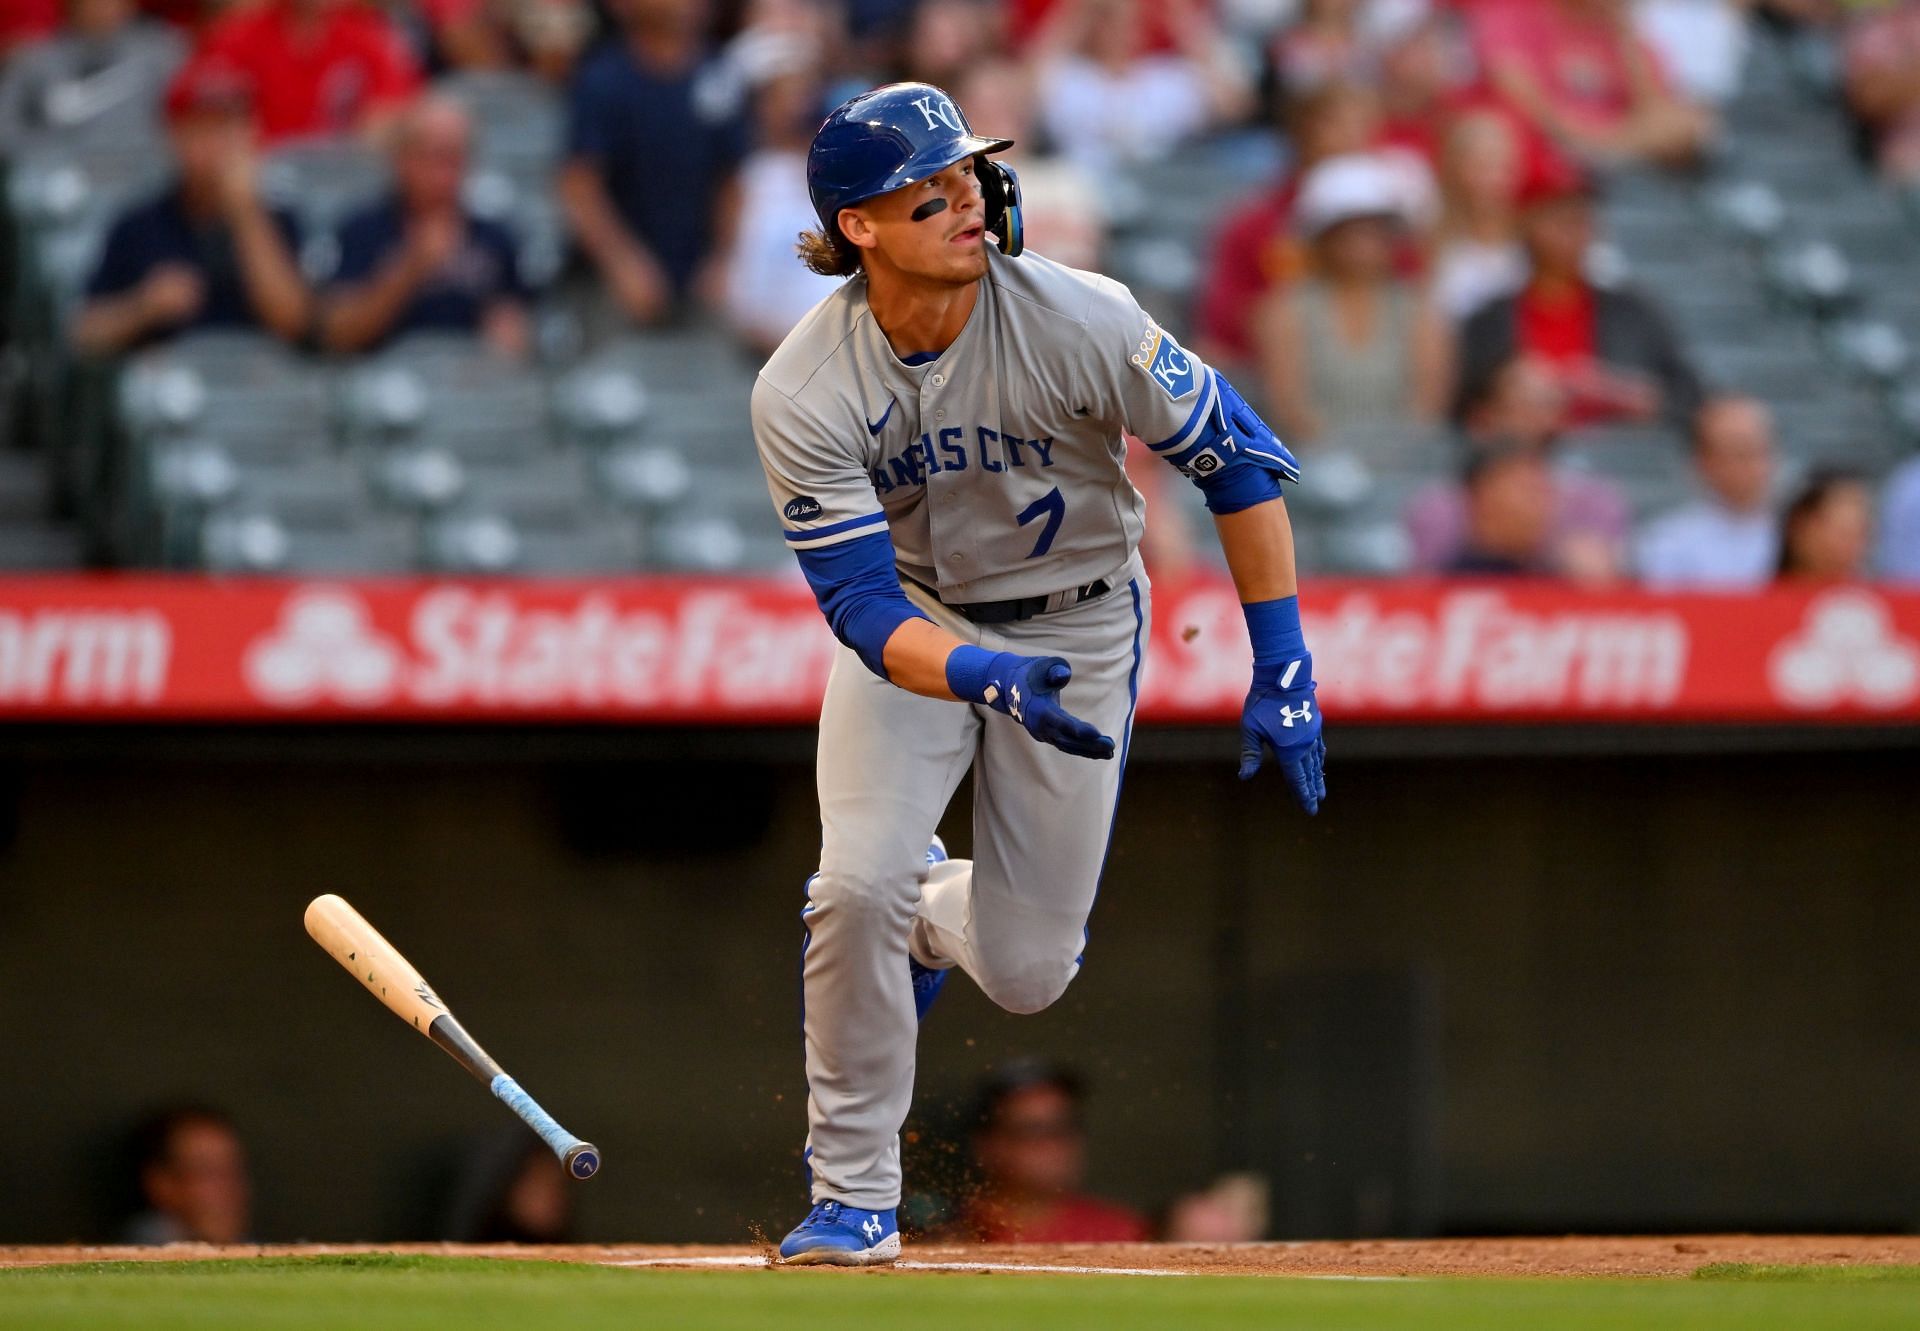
(1020, 607)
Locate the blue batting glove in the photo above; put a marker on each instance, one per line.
(1282, 718)
(1026, 688)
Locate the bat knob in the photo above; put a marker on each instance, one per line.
(582, 1160)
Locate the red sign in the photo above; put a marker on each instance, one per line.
(749, 651)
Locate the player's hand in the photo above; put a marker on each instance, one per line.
(1027, 688)
(1281, 719)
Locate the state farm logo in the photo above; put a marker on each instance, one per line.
(1846, 651)
(324, 647)
(461, 647)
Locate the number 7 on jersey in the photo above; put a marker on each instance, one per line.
(1053, 508)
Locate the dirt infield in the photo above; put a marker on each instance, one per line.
(1573, 1256)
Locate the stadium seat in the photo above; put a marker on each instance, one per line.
(478, 541)
(644, 477)
(250, 541)
(598, 404)
(551, 490)
(40, 547)
(322, 181)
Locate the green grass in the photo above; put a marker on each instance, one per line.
(1815, 1275)
(381, 1293)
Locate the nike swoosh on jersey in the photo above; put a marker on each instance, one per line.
(875, 427)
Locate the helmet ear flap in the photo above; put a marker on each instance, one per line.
(1000, 195)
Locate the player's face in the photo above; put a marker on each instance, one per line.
(934, 230)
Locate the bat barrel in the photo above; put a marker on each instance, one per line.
(581, 1158)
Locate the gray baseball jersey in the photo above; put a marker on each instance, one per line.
(997, 466)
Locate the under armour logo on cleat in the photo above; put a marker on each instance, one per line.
(871, 1228)
(1303, 714)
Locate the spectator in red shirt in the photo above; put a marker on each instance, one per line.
(1613, 350)
(24, 21)
(317, 66)
(1031, 1151)
(1578, 71)
(1254, 248)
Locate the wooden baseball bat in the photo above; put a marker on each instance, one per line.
(391, 978)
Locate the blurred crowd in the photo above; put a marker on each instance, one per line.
(1419, 253)
(1020, 1144)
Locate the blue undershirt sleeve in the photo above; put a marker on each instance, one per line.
(859, 592)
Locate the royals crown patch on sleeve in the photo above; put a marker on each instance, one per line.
(1166, 362)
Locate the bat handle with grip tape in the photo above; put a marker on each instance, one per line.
(581, 1158)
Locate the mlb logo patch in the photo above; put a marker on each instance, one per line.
(1204, 463)
(1167, 363)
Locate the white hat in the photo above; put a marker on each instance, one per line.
(1346, 187)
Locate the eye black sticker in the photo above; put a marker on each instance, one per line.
(931, 208)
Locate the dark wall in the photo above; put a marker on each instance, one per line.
(1499, 993)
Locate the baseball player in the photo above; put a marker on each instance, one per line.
(943, 437)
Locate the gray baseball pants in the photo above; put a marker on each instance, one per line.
(1014, 917)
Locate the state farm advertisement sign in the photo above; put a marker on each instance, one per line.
(732, 651)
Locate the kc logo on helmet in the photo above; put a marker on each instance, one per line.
(941, 111)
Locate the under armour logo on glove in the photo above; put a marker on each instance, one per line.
(1280, 720)
(1027, 689)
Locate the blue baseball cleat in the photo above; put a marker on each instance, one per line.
(834, 1234)
(927, 982)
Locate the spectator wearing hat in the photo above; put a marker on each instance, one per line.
(1611, 347)
(207, 253)
(1828, 529)
(1030, 1154)
(418, 261)
(1354, 342)
(657, 130)
(317, 67)
(103, 74)
(1256, 248)
(1525, 406)
(1728, 537)
(1579, 72)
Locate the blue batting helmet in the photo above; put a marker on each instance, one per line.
(896, 135)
